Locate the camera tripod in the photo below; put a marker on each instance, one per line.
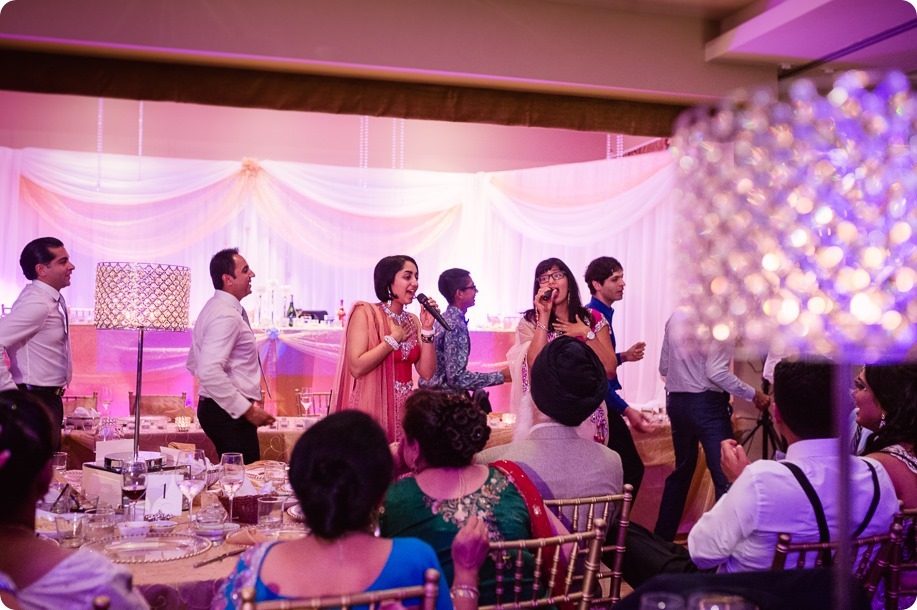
(769, 436)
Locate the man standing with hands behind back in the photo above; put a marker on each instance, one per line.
(36, 333)
(224, 358)
(605, 279)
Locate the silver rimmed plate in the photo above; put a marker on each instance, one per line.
(295, 512)
(150, 549)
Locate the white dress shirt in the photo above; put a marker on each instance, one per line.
(36, 338)
(739, 534)
(690, 366)
(224, 355)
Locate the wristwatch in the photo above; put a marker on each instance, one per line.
(590, 335)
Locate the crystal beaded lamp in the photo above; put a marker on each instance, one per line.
(142, 296)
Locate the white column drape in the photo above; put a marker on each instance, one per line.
(321, 229)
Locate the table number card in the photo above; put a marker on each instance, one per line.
(162, 494)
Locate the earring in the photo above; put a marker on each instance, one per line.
(374, 522)
(882, 421)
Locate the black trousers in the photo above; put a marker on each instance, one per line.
(228, 434)
(56, 407)
(620, 440)
(648, 555)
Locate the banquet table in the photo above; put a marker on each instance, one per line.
(276, 442)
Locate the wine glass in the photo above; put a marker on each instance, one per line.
(305, 401)
(194, 475)
(105, 399)
(275, 472)
(133, 482)
(233, 476)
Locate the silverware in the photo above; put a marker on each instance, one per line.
(219, 557)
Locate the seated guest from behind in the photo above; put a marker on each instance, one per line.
(339, 471)
(454, 346)
(568, 384)
(442, 432)
(739, 534)
(42, 574)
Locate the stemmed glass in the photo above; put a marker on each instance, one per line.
(133, 482)
(275, 472)
(105, 399)
(305, 401)
(233, 476)
(194, 476)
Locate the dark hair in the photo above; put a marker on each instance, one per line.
(802, 393)
(223, 262)
(385, 272)
(574, 305)
(25, 431)
(37, 252)
(340, 470)
(600, 270)
(895, 389)
(451, 280)
(448, 427)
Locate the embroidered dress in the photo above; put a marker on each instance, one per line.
(406, 564)
(410, 512)
(383, 391)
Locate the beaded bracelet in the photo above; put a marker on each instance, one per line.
(391, 341)
(465, 591)
(542, 327)
(427, 333)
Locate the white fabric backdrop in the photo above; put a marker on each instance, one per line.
(321, 229)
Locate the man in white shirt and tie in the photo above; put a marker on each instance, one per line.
(36, 333)
(224, 358)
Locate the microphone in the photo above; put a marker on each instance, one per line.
(548, 295)
(425, 301)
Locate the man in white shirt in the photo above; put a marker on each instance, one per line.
(698, 384)
(224, 358)
(36, 333)
(739, 534)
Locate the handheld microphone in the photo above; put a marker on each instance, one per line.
(548, 295)
(423, 300)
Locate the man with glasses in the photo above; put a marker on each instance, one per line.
(36, 333)
(453, 347)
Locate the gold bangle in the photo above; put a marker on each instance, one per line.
(465, 591)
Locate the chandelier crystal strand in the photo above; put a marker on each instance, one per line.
(800, 215)
(140, 142)
(100, 123)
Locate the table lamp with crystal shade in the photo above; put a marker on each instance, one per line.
(142, 296)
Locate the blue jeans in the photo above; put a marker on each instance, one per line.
(696, 417)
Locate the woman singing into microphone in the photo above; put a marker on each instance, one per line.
(557, 310)
(382, 342)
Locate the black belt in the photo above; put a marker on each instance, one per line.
(55, 390)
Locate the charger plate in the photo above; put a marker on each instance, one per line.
(296, 513)
(150, 549)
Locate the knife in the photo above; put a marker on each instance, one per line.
(219, 557)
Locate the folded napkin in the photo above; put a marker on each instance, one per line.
(84, 412)
(183, 446)
(248, 536)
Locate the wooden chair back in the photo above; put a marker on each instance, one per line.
(871, 555)
(585, 511)
(426, 593)
(73, 401)
(158, 404)
(553, 585)
(321, 402)
(902, 567)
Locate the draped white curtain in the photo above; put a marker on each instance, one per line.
(321, 229)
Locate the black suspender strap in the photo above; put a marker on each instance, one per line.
(823, 534)
(876, 492)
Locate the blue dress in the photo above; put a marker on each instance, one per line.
(405, 567)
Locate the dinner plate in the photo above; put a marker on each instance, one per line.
(296, 513)
(150, 549)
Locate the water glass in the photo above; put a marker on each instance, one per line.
(305, 401)
(105, 398)
(193, 465)
(233, 476)
(101, 523)
(70, 533)
(270, 513)
(657, 600)
(59, 461)
(276, 473)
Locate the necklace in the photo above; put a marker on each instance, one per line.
(404, 320)
(397, 317)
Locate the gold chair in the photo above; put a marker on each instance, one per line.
(426, 593)
(553, 584)
(321, 402)
(874, 554)
(74, 401)
(902, 575)
(584, 513)
(170, 406)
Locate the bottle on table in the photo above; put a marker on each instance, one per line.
(291, 311)
(341, 313)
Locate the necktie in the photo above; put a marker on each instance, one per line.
(62, 306)
(260, 367)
